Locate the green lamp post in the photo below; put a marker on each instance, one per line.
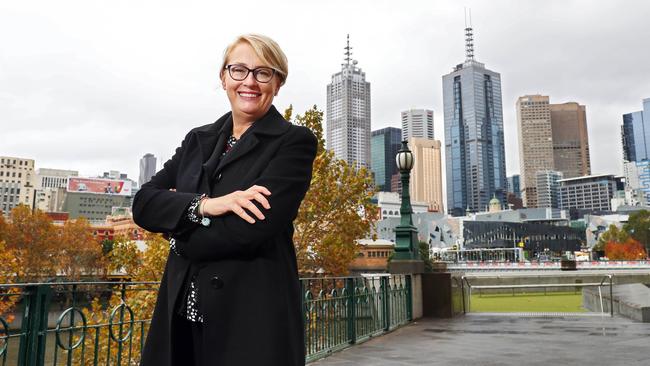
(407, 254)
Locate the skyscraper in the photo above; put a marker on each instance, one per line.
(570, 139)
(348, 113)
(474, 146)
(385, 144)
(147, 168)
(426, 176)
(548, 188)
(635, 134)
(535, 143)
(417, 123)
(514, 185)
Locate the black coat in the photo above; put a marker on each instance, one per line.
(250, 294)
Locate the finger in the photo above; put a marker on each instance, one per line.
(261, 189)
(173, 189)
(243, 214)
(262, 200)
(256, 211)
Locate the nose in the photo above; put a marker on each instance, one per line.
(250, 79)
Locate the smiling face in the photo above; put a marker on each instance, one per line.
(249, 99)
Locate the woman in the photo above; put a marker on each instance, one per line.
(230, 294)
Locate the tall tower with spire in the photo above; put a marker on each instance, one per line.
(348, 113)
(474, 145)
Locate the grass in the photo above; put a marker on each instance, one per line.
(565, 302)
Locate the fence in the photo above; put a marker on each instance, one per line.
(105, 323)
(607, 280)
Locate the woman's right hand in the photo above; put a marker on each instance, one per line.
(238, 202)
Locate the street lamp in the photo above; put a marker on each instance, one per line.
(406, 235)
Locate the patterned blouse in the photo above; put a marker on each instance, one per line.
(190, 309)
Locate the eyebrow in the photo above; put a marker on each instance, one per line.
(246, 65)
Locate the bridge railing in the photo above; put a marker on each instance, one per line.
(105, 323)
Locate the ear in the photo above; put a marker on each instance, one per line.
(223, 80)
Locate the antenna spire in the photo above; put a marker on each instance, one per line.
(348, 52)
(469, 36)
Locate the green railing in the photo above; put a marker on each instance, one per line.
(105, 323)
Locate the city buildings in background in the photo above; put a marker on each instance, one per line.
(547, 183)
(17, 182)
(417, 123)
(51, 185)
(570, 139)
(147, 168)
(635, 134)
(589, 193)
(514, 185)
(348, 113)
(535, 143)
(96, 198)
(426, 175)
(637, 178)
(552, 137)
(384, 145)
(474, 143)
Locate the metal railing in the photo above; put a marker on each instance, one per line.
(105, 323)
(607, 278)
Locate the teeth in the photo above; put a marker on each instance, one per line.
(248, 95)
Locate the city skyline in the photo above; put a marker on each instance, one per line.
(117, 82)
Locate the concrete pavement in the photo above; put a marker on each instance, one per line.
(505, 339)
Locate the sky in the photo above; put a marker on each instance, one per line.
(94, 85)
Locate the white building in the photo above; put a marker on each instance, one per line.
(17, 181)
(417, 123)
(348, 114)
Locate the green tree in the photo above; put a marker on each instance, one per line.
(613, 234)
(638, 227)
(337, 210)
(426, 258)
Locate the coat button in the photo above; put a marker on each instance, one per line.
(216, 282)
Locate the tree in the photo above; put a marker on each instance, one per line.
(638, 227)
(33, 239)
(80, 253)
(631, 249)
(613, 233)
(425, 256)
(336, 211)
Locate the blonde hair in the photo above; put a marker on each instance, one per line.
(266, 49)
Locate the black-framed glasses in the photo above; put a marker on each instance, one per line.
(240, 72)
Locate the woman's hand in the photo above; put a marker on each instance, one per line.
(238, 202)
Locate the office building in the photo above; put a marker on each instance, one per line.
(514, 185)
(635, 134)
(637, 177)
(474, 145)
(591, 193)
(570, 139)
(348, 113)
(384, 145)
(147, 168)
(426, 175)
(17, 183)
(535, 143)
(548, 188)
(51, 187)
(417, 123)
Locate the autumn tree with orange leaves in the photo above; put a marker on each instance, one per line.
(630, 249)
(336, 211)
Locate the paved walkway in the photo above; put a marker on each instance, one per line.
(498, 339)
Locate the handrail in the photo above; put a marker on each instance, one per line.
(542, 285)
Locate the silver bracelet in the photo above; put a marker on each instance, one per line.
(193, 210)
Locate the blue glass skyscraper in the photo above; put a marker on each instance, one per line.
(384, 145)
(635, 134)
(474, 145)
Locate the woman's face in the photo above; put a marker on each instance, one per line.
(249, 99)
